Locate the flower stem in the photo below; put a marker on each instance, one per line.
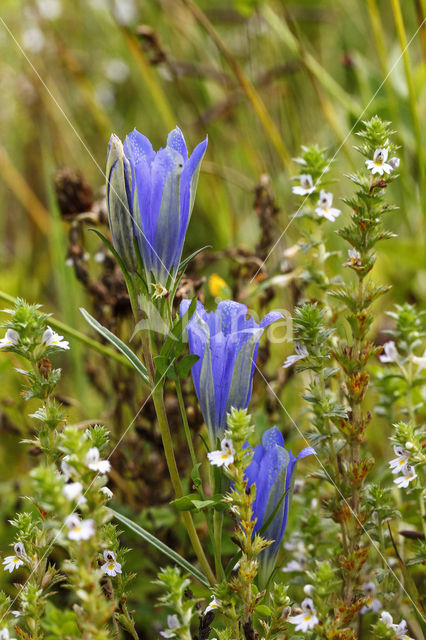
(185, 422)
(158, 400)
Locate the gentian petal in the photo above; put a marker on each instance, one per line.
(188, 187)
(176, 141)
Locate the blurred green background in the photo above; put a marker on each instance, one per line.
(261, 79)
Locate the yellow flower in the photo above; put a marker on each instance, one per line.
(217, 285)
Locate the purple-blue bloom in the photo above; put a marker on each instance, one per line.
(271, 470)
(226, 343)
(150, 196)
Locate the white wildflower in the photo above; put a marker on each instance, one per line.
(408, 474)
(111, 566)
(354, 258)
(306, 185)
(402, 457)
(107, 492)
(394, 163)
(386, 618)
(79, 529)
(33, 39)
(301, 352)
(94, 462)
(390, 353)
(11, 338)
(73, 491)
(372, 603)
(224, 456)
(324, 208)
(307, 620)
(213, 604)
(14, 562)
(379, 162)
(49, 9)
(173, 625)
(52, 339)
(400, 630)
(420, 361)
(4, 634)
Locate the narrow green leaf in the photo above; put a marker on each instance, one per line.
(118, 344)
(170, 553)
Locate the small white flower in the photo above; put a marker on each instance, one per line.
(107, 492)
(308, 589)
(99, 257)
(49, 9)
(324, 208)
(372, 603)
(116, 70)
(94, 462)
(408, 474)
(224, 456)
(390, 353)
(33, 39)
(420, 361)
(11, 338)
(394, 163)
(4, 634)
(306, 185)
(301, 352)
(214, 604)
(386, 618)
(79, 529)
(11, 563)
(73, 491)
(400, 630)
(379, 162)
(293, 566)
(111, 566)
(52, 339)
(354, 258)
(66, 468)
(307, 620)
(402, 458)
(173, 622)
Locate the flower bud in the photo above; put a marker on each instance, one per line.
(119, 202)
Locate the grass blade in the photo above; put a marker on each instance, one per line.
(148, 537)
(118, 344)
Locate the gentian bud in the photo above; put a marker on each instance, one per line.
(119, 202)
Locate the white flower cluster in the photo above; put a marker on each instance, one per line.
(324, 207)
(49, 339)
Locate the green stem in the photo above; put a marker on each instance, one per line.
(217, 533)
(185, 422)
(166, 437)
(423, 510)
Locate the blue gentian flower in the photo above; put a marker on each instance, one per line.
(271, 470)
(150, 196)
(226, 343)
